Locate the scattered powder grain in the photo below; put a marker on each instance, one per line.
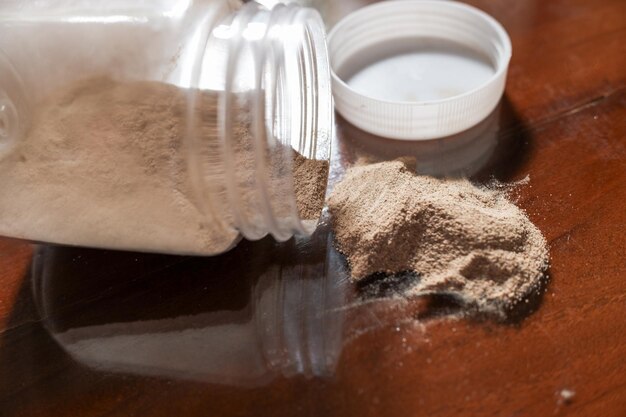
(104, 165)
(465, 241)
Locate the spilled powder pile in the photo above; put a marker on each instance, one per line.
(465, 241)
(104, 165)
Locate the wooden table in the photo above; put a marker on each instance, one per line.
(278, 330)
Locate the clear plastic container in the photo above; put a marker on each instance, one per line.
(237, 88)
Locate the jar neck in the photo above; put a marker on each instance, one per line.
(274, 99)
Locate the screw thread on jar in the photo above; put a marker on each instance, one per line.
(276, 79)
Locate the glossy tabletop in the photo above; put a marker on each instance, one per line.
(274, 329)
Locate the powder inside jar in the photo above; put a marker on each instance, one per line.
(104, 164)
(462, 240)
(310, 177)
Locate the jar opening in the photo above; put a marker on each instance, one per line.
(275, 103)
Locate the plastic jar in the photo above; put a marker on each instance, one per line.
(256, 87)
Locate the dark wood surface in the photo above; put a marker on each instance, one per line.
(277, 330)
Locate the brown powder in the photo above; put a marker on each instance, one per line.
(104, 165)
(462, 240)
(310, 177)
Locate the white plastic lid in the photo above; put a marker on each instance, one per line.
(418, 69)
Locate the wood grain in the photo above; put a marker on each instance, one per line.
(277, 330)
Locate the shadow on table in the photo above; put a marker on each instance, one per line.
(493, 149)
(242, 318)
